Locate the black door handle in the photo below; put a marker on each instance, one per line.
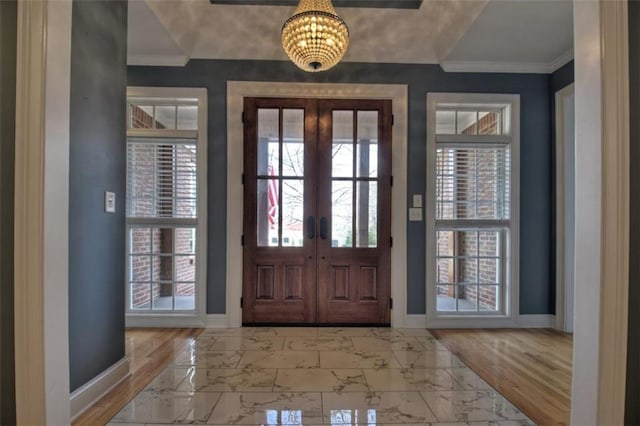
(323, 228)
(311, 227)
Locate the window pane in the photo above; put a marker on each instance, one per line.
(185, 268)
(489, 297)
(166, 117)
(140, 240)
(489, 271)
(472, 183)
(489, 123)
(162, 297)
(342, 148)
(367, 143)
(187, 117)
(268, 142)
(467, 298)
(185, 240)
(341, 214)
(140, 296)
(185, 299)
(466, 123)
(140, 268)
(267, 220)
(293, 146)
(293, 212)
(161, 178)
(467, 270)
(141, 116)
(489, 243)
(445, 271)
(367, 214)
(445, 122)
(446, 298)
(162, 240)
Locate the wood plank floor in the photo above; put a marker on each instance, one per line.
(530, 367)
(149, 351)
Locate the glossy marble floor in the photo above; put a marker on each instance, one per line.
(316, 376)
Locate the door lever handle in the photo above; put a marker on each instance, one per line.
(323, 228)
(311, 227)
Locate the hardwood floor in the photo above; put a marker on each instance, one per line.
(530, 367)
(149, 352)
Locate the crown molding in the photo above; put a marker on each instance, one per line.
(508, 67)
(158, 60)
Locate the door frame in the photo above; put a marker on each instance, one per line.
(562, 303)
(236, 92)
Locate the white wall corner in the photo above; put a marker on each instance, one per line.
(89, 393)
(217, 321)
(537, 321)
(416, 321)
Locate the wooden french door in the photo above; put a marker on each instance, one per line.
(317, 211)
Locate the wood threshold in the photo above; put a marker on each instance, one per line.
(532, 368)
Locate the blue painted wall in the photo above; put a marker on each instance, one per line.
(536, 295)
(97, 164)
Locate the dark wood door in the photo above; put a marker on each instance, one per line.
(317, 217)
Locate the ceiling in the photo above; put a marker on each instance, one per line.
(461, 35)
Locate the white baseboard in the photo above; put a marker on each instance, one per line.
(86, 395)
(416, 321)
(167, 321)
(537, 321)
(217, 321)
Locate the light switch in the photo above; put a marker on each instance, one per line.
(417, 200)
(110, 202)
(415, 214)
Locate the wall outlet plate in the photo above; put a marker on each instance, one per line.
(415, 214)
(417, 200)
(110, 202)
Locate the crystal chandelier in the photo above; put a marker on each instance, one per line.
(315, 37)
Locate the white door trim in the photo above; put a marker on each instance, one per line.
(41, 212)
(236, 91)
(562, 311)
(602, 206)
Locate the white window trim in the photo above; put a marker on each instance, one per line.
(177, 318)
(510, 317)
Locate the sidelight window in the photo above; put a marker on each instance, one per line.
(165, 202)
(473, 230)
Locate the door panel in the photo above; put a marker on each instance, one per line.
(354, 166)
(279, 257)
(317, 211)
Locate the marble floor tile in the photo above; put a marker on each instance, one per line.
(320, 379)
(389, 343)
(427, 359)
(319, 343)
(229, 380)
(456, 406)
(248, 343)
(168, 379)
(468, 380)
(497, 423)
(206, 359)
(352, 331)
(168, 407)
(375, 407)
(267, 408)
(358, 359)
(409, 379)
(279, 359)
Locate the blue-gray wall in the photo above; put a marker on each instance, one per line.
(97, 164)
(632, 412)
(536, 296)
(8, 19)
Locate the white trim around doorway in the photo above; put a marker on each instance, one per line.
(236, 92)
